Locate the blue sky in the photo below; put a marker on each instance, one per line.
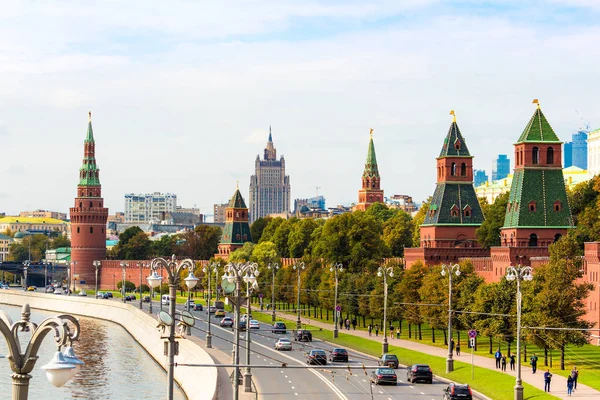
(182, 94)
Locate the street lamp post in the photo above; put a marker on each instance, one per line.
(96, 265)
(385, 272)
(26, 265)
(211, 268)
(450, 269)
(273, 267)
(124, 265)
(60, 369)
(191, 281)
(519, 273)
(298, 268)
(45, 275)
(335, 268)
(233, 273)
(74, 264)
(173, 268)
(141, 264)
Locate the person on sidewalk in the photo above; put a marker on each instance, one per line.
(370, 329)
(458, 349)
(512, 362)
(547, 379)
(398, 333)
(377, 330)
(503, 363)
(391, 331)
(498, 357)
(533, 361)
(353, 324)
(574, 376)
(341, 324)
(569, 386)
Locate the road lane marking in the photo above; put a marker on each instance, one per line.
(380, 392)
(422, 393)
(411, 386)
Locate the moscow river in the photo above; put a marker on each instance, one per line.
(116, 366)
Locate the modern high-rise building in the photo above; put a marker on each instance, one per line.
(580, 149)
(501, 167)
(317, 202)
(269, 186)
(594, 153)
(480, 177)
(219, 213)
(88, 217)
(568, 154)
(149, 206)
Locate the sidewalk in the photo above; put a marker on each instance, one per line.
(558, 386)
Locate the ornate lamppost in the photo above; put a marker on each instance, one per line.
(335, 268)
(97, 264)
(73, 278)
(449, 269)
(26, 265)
(385, 272)
(141, 264)
(234, 273)
(124, 265)
(519, 273)
(190, 281)
(298, 268)
(173, 268)
(63, 366)
(273, 267)
(212, 268)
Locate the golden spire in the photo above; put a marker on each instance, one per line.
(371, 133)
(453, 115)
(90, 116)
(536, 101)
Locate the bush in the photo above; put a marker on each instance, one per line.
(129, 286)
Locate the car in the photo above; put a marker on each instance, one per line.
(242, 325)
(454, 391)
(212, 309)
(127, 298)
(58, 291)
(198, 307)
(106, 296)
(31, 289)
(338, 355)
(100, 295)
(419, 372)
(132, 297)
(279, 327)
(316, 357)
(383, 375)
(254, 324)
(227, 322)
(6, 287)
(192, 303)
(49, 289)
(109, 294)
(389, 360)
(283, 344)
(82, 293)
(303, 335)
(146, 299)
(220, 313)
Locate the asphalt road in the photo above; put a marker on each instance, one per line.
(321, 383)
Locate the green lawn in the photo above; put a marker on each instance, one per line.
(586, 358)
(501, 389)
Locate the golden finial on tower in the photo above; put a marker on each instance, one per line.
(90, 116)
(453, 115)
(371, 133)
(536, 101)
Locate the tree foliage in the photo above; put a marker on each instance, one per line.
(488, 234)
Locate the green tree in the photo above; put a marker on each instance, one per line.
(281, 235)
(418, 221)
(300, 236)
(381, 212)
(435, 291)
(411, 283)
(164, 247)
(270, 228)
(200, 244)
(59, 241)
(36, 244)
(488, 234)
(242, 254)
(585, 209)
(137, 248)
(120, 250)
(257, 228)
(397, 233)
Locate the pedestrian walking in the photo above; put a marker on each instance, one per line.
(391, 331)
(498, 357)
(398, 333)
(377, 330)
(341, 323)
(370, 328)
(458, 348)
(569, 386)
(503, 363)
(354, 324)
(547, 379)
(533, 361)
(347, 324)
(574, 376)
(512, 362)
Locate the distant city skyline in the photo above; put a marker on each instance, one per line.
(183, 103)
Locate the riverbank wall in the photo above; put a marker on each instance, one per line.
(196, 383)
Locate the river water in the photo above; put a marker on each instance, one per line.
(116, 366)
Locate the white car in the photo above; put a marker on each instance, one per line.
(82, 293)
(254, 324)
(58, 291)
(283, 344)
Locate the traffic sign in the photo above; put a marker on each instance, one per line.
(472, 333)
(472, 342)
(338, 308)
(338, 314)
(260, 296)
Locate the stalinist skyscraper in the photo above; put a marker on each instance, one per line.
(269, 186)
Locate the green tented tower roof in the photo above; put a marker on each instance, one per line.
(454, 143)
(371, 169)
(237, 201)
(538, 130)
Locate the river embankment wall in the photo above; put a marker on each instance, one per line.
(197, 383)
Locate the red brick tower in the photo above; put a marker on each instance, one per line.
(88, 216)
(371, 181)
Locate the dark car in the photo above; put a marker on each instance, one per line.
(303, 336)
(242, 325)
(106, 296)
(316, 357)
(198, 307)
(279, 327)
(455, 391)
(389, 360)
(110, 295)
(146, 299)
(132, 297)
(384, 375)
(127, 298)
(338, 355)
(419, 372)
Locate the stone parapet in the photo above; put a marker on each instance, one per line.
(197, 383)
